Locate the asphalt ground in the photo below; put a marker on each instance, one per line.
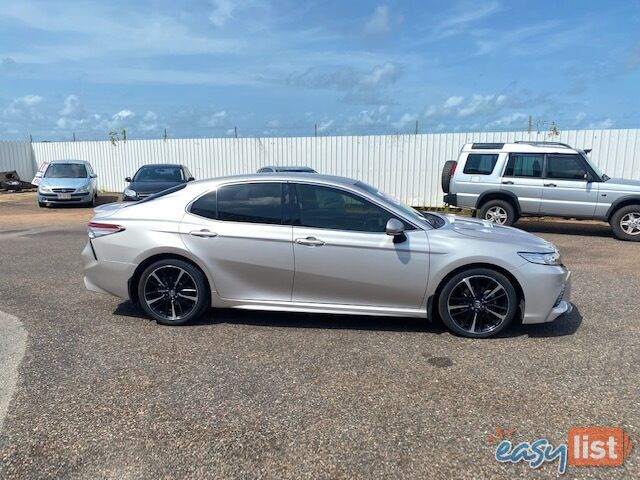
(103, 392)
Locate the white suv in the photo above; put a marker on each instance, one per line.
(504, 181)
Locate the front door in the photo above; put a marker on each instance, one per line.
(566, 192)
(238, 232)
(343, 255)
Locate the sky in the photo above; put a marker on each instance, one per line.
(200, 68)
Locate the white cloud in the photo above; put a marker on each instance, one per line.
(72, 106)
(23, 108)
(383, 75)
(148, 122)
(458, 106)
(580, 116)
(325, 125)
(216, 118)
(465, 14)
(378, 22)
(453, 101)
(123, 115)
(407, 119)
(607, 123)
(511, 120)
(222, 12)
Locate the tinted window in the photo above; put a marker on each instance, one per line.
(250, 202)
(524, 165)
(325, 207)
(164, 192)
(567, 167)
(66, 170)
(205, 206)
(480, 164)
(158, 174)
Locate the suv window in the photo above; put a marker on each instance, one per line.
(480, 163)
(326, 207)
(524, 165)
(565, 167)
(250, 202)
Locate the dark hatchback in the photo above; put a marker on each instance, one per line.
(150, 179)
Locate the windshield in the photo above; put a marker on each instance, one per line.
(66, 170)
(599, 172)
(158, 174)
(411, 212)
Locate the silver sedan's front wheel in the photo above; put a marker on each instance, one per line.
(173, 292)
(478, 303)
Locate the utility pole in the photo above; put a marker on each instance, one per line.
(164, 136)
(416, 127)
(74, 136)
(315, 130)
(235, 129)
(529, 126)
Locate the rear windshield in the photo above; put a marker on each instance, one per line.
(158, 174)
(66, 170)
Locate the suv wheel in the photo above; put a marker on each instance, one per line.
(625, 223)
(478, 303)
(498, 211)
(173, 292)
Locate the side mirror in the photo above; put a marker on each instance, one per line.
(588, 177)
(128, 179)
(394, 227)
(190, 179)
(94, 175)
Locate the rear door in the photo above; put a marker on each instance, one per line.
(343, 255)
(566, 192)
(239, 232)
(523, 177)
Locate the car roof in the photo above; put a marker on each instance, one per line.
(178, 165)
(73, 161)
(278, 176)
(519, 147)
(289, 168)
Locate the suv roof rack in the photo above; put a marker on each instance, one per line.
(487, 146)
(557, 144)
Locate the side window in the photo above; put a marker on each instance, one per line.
(480, 163)
(524, 165)
(250, 202)
(565, 167)
(206, 206)
(326, 207)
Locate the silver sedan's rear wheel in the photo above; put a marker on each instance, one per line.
(478, 303)
(173, 292)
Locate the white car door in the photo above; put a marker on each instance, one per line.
(343, 255)
(238, 232)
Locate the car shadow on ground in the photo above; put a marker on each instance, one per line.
(566, 228)
(563, 326)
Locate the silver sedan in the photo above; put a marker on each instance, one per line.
(320, 244)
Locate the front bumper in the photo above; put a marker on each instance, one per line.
(52, 198)
(547, 292)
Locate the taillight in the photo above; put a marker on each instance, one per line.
(101, 229)
(453, 169)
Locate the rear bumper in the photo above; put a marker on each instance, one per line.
(451, 199)
(106, 277)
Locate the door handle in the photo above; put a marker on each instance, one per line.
(203, 233)
(507, 182)
(550, 185)
(311, 241)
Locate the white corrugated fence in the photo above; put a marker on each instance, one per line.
(406, 166)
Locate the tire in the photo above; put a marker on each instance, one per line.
(447, 170)
(498, 211)
(175, 304)
(42, 205)
(92, 203)
(625, 223)
(487, 312)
